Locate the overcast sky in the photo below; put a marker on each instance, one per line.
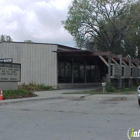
(36, 20)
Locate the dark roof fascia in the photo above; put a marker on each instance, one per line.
(135, 61)
(82, 53)
(116, 56)
(71, 51)
(101, 53)
(63, 46)
(125, 59)
(74, 53)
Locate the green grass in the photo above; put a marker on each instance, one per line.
(127, 91)
(35, 87)
(19, 93)
(25, 91)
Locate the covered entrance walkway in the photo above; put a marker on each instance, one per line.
(80, 67)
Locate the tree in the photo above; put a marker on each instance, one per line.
(102, 24)
(9, 39)
(5, 38)
(132, 38)
(2, 38)
(132, 42)
(28, 41)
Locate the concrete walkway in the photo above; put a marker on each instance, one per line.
(54, 94)
(57, 94)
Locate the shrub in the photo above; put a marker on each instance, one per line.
(19, 93)
(123, 88)
(43, 87)
(35, 87)
(110, 88)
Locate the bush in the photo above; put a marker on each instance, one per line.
(35, 87)
(110, 88)
(123, 88)
(43, 87)
(24, 91)
(19, 93)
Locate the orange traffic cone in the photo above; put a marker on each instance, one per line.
(1, 94)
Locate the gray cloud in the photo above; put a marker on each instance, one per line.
(36, 20)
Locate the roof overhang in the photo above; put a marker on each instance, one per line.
(102, 55)
(81, 53)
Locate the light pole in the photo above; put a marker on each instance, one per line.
(137, 47)
(137, 51)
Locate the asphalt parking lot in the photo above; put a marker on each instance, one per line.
(96, 117)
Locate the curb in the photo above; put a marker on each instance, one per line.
(10, 101)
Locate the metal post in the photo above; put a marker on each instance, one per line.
(130, 71)
(138, 70)
(103, 90)
(103, 85)
(85, 71)
(109, 68)
(72, 70)
(120, 79)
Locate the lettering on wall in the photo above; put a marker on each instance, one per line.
(10, 72)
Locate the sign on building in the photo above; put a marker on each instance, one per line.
(135, 72)
(10, 72)
(117, 71)
(127, 72)
(6, 60)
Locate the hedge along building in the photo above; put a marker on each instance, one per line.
(65, 67)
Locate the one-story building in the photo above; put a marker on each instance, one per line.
(65, 67)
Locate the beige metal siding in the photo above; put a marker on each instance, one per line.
(38, 62)
(8, 85)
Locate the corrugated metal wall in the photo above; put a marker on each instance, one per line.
(38, 62)
(8, 85)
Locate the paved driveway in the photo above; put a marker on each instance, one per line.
(98, 117)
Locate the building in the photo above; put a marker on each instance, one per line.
(65, 67)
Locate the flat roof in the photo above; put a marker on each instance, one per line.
(79, 52)
(82, 52)
(59, 45)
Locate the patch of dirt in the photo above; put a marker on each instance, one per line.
(118, 99)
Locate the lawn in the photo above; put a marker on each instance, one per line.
(127, 91)
(25, 91)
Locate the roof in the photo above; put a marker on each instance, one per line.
(82, 52)
(59, 45)
(66, 50)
